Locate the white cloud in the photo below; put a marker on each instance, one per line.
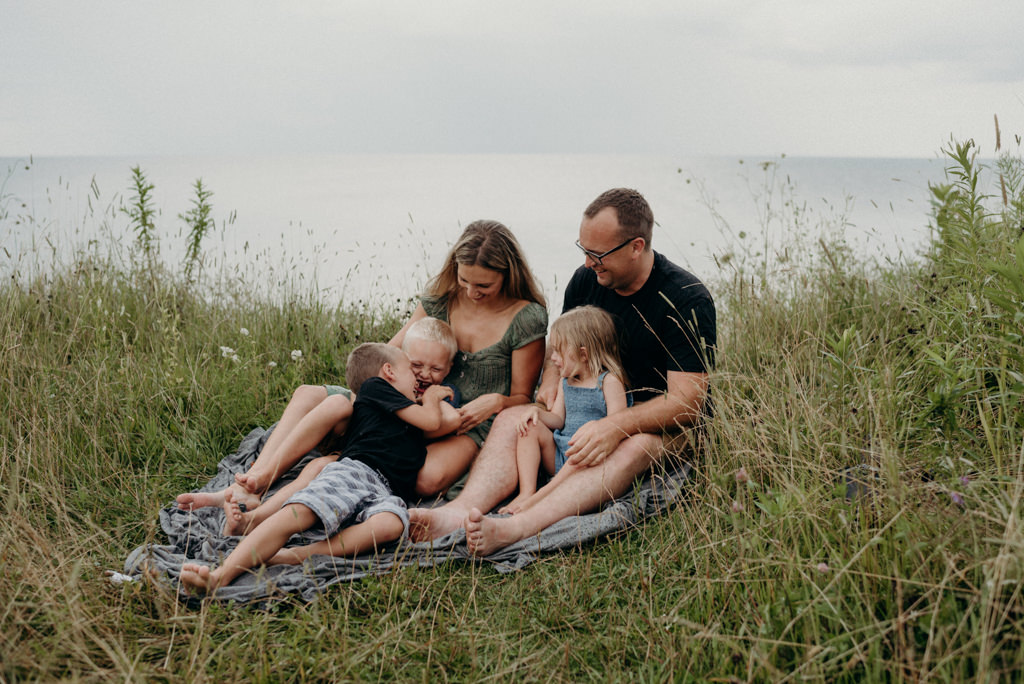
(794, 76)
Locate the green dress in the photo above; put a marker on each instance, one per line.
(490, 370)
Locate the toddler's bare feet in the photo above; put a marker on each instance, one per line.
(197, 577)
(516, 504)
(190, 501)
(236, 521)
(486, 535)
(427, 524)
(254, 483)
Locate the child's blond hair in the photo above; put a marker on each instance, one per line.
(367, 359)
(433, 330)
(593, 329)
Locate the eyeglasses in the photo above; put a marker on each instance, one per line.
(598, 257)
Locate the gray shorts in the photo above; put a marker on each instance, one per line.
(338, 389)
(347, 492)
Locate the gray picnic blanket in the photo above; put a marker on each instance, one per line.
(197, 536)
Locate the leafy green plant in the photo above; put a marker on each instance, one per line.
(141, 211)
(200, 222)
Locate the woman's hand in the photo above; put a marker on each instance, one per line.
(479, 410)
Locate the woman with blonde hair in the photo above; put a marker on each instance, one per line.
(488, 294)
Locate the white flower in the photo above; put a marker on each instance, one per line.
(234, 357)
(272, 364)
(226, 352)
(296, 354)
(245, 332)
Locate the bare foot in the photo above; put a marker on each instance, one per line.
(254, 483)
(516, 504)
(486, 535)
(427, 524)
(236, 521)
(190, 501)
(197, 577)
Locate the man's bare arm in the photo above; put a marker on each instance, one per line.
(681, 404)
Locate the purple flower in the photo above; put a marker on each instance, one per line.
(964, 480)
(737, 507)
(823, 567)
(957, 498)
(741, 475)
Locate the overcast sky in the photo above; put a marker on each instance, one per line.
(889, 78)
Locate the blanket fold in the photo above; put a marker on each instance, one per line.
(196, 536)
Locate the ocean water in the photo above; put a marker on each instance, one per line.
(375, 227)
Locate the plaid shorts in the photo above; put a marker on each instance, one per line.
(347, 492)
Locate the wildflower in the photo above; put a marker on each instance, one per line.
(741, 475)
(823, 567)
(964, 480)
(957, 498)
(244, 332)
(234, 357)
(737, 507)
(272, 364)
(296, 354)
(226, 352)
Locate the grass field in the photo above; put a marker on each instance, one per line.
(907, 377)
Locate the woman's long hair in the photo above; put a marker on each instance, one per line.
(490, 245)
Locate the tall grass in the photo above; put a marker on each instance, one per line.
(897, 384)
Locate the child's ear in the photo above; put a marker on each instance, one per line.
(387, 371)
(583, 353)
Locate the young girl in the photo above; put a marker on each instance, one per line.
(584, 348)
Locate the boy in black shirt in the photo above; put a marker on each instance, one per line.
(357, 499)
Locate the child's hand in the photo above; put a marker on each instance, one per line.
(530, 417)
(436, 393)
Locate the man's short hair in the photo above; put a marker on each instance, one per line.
(633, 211)
(433, 330)
(366, 360)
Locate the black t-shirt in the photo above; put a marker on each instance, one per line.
(667, 325)
(382, 440)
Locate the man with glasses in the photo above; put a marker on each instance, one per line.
(666, 321)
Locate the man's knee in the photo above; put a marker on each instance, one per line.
(639, 452)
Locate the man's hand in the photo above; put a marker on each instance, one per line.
(594, 442)
(546, 395)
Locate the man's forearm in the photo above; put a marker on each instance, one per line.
(668, 411)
